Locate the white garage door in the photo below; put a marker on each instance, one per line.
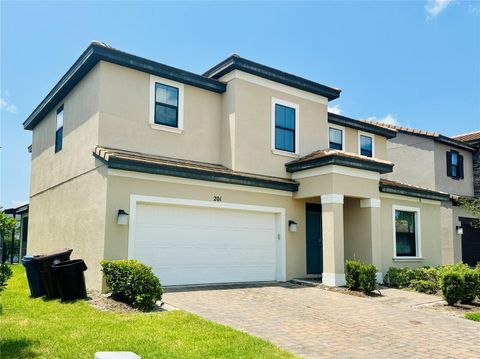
(198, 245)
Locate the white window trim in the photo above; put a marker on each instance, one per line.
(418, 235)
(151, 115)
(341, 128)
(366, 134)
(295, 106)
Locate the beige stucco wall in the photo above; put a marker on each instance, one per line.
(357, 231)
(413, 159)
(337, 183)
(68, 188)
(124, 118)
(447, 184)
(120, 189)
(71, 215)
(431, 241)
(80, 134)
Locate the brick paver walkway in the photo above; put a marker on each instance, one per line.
(321, 324)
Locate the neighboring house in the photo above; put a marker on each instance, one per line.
(14, 248)
(443, 164)
(236, 175)
(473, 139)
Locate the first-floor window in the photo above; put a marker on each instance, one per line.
(335, 138)
(405, 233)
(366, 146)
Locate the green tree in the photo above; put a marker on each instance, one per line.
(471, 205)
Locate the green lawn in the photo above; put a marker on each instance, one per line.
(38, 328)
(473, 316)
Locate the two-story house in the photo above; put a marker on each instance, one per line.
(441, 163)
(236, 175)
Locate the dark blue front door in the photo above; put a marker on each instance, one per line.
(314, 239)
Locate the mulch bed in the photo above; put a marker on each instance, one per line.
(457, 310)
(104, 302)
(356, 293)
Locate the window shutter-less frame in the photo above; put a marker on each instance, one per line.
(460, 166)
(449, 164)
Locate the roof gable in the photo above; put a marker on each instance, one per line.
(236, 62)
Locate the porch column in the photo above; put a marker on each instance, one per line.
(332, 234)
(372, 205)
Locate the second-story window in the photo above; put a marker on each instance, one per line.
(366, 146)
(284, 128)
(166, 105)
(454, 165)
(335, 138)
(59, 130)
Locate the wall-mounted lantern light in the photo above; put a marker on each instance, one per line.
(459, 230)
(122, 217)
(292, 226)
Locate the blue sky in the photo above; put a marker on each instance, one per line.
(416, 63)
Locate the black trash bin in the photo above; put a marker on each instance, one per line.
(33, 275)
(45, 263)
(70, 279)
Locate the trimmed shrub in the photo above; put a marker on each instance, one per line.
(5, 274)
(398, 277)
(132, 282)
(352, 274)
(452, 287)
(471, 286)
(424, 286)
(368, 278)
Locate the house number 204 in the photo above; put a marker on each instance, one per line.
(217, 198)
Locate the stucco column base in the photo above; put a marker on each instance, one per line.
(372, 208)
(333, 279)
(333, 240)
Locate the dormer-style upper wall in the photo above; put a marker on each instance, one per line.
(126, 116)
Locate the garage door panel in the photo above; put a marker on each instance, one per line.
(194, 245)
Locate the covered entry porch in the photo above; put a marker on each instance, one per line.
(346, 200)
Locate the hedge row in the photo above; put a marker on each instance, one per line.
(457, 282)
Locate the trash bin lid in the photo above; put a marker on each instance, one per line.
(71, 263)
(52, 254)
(27, 259)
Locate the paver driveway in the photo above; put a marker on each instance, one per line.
(320, 324)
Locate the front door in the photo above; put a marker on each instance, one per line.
(314, 239)
(470, 242)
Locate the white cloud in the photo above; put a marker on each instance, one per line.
(7, 106)
(388, 119)
(435, 7)
(335, 109)
(473, 10)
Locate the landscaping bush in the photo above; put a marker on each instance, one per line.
(471, 286)
(352, 274)
(424, 286)
(5, 274)
(132, 282)
(368, 278)
(398, 277)
(452, 287)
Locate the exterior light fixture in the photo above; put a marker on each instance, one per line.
(122, 218)
(292, 226)
(459, 230)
